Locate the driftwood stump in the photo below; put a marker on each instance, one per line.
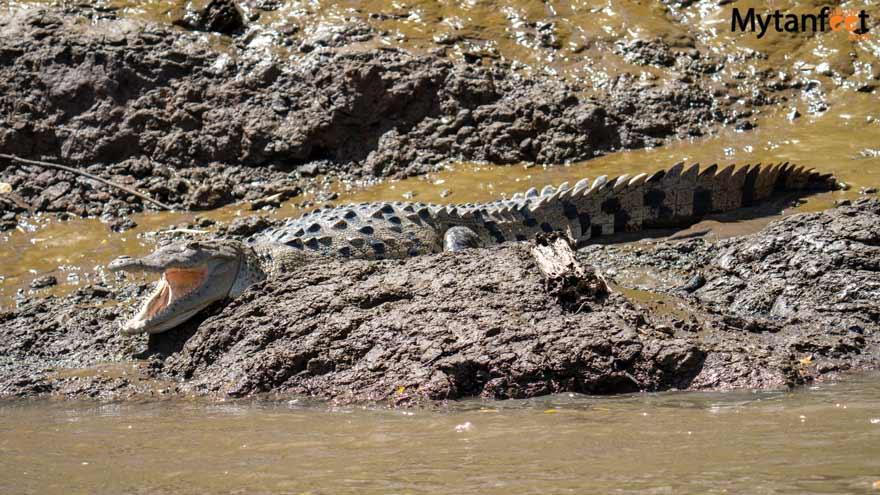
(573, 285)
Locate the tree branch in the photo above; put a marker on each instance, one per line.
(88, 175)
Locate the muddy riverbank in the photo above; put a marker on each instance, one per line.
(300, 103)
(199, 120)
(789, 305)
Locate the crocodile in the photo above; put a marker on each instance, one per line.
(195, 274)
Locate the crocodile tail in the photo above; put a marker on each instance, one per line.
(674, 197)
(677, 196)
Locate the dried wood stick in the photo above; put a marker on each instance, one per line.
(88, 175)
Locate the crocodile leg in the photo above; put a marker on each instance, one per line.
(459, 238)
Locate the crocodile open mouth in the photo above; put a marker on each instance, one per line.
(175, 285)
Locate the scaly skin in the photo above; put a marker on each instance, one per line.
(669, 198)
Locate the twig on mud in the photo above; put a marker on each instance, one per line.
(88, 175)
(182, 231)
(573, 285)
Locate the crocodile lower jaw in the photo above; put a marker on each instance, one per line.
(175, 284)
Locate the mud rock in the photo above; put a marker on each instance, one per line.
(815, 264)
(155, 108)
(50, 333)
(246, 226)
(122, 224)
(210, 196)
(431, 326)
(44, 339)
(219, 16)
(646, 52)
(792, 304)
(543, 123)
(807, 285)
(43, 282)
(275, 200)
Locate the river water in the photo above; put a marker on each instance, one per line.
(825, 439)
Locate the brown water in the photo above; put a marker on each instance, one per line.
(825, 439)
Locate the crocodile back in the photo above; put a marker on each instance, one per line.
(674, 197)
(367, 231)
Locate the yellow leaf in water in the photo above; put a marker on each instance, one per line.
(401, 390)
(806, 360)
(550, 411)
(877, 485)
(5, 187)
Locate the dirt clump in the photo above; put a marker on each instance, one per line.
(199, 125)
(219, 16)
(481, 323)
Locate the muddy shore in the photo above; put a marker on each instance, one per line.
(200, 122)
(792, 304)
(200, 111)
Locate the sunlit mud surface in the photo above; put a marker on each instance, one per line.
(583, 42)
(572, 38)
(835, 141)
(836, 129)
(825, 439)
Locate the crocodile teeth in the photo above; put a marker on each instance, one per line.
(564, 186)
(602, 179)
(532, 193)
(517, 196)
(547, 191)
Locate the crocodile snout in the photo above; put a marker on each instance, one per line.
(127, 263)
